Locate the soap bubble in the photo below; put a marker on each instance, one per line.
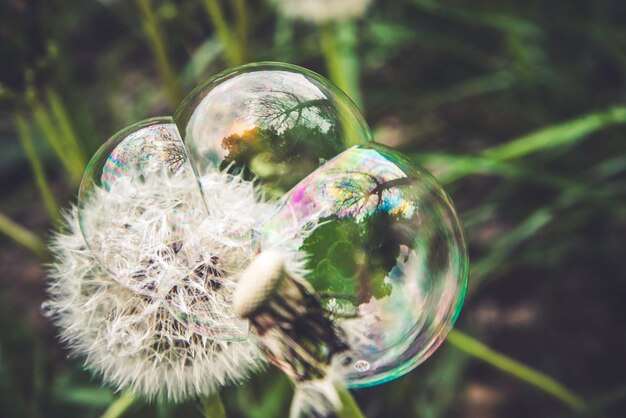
(385, 254)
(380, 239)
(277, 122)
(140, 208)
(121, 221)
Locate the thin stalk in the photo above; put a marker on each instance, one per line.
(213, 407)
(23, 236)
(54, 138)
(349, 407)
(339, 55)
(231, 49)
(157, 43)
(121, 405)
(26, 138)
(513, 367)
(67, 131)
(242, 22)
(330, 49)
(341, 73)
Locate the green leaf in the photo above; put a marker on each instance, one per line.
(560, 135)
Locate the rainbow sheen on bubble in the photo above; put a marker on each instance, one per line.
(385, 253)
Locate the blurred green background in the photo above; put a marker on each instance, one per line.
(516, 106)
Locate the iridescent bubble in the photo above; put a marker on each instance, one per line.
(277, 122)
(140, 206)
(385, 254)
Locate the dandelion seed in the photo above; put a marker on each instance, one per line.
(136, 341)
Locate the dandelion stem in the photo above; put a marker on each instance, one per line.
(338, 44)
(22, 236)
(121, 405)
(232, 50)
(513, 367)
(349, 407)
(213, 407)
(26, 139)
(157, 43)
(242, 20)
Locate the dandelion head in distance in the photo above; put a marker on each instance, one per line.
(322, 11)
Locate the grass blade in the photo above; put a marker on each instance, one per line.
(155, 37)
(65, 127)
(232, 49)
(513, 367)
(52, 136)
(23, 236)
(563, 134)
(26, 139)
(450, 168)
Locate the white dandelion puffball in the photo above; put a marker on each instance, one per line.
(140, 340)
(322, 11)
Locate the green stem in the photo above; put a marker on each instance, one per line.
(242, 20)
(339, 73)
(231, 49)
(330, 50)
(213, 407)
(338, 44)
(349, 407)
(23, 236)
(36, 165)
(157, 44)
(121, 405)
(513, 367)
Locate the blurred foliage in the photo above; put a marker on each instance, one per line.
(517, 107)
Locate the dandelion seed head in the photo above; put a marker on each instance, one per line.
(170, 343)
(322, 11)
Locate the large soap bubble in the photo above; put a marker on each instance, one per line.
(278, 122)
(384, 252)
(143, 217)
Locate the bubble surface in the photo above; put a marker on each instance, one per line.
(140, 206)
(385, 254)
(277, 122)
